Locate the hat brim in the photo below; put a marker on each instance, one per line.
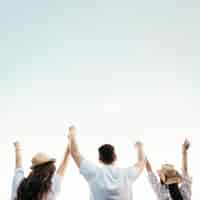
(173, 180)
(169, 180)
(52, 160)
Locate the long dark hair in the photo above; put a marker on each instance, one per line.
(175, 192)
(37, 184)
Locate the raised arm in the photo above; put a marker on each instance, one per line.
(155, 184)
(185, 148)
(148, 167)
(62, 168)
(140, 164)
(18, 155)
(186, 186)
(74, 146)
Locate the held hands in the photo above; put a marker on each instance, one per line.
(185, 145)
(72, 131)
(139, 147)
(71, 135)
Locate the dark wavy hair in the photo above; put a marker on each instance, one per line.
(37, 184)
(107, 154)
(175, 192)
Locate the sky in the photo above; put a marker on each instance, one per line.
(118, 70)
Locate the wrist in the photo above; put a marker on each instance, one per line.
(184, 151)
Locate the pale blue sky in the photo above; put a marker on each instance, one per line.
(113, 68)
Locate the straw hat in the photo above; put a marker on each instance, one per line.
(41, 158)
(169, 175)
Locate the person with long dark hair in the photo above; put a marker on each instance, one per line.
(172, 185)
(43, 182)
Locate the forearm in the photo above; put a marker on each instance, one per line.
(140, 155)
(140, 159)
(185, 161)
(62, 169)
(148, 167)
(75, 150)
(18, 158)
(185, 148)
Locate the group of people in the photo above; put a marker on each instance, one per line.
(107, 182)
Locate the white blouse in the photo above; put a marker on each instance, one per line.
(162, 191)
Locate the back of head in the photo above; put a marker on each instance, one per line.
(107, 154)
(175, 192)
(37, 184)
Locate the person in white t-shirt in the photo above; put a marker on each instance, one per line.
(43, 182)
(108, 182)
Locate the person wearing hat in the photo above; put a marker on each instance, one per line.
(43, 182)
(172, 185)
(108, 181)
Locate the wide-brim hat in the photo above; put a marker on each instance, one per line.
(169, 175)
(40, 159)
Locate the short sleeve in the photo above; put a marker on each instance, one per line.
(186, 186)
(155, 184)
(88, 169)
(56, 184)
(132, 173)
(17, 179)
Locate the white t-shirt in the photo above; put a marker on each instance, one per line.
(109, 182)
(19, 176)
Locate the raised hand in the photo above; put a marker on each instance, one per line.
(17, 145)
(138, 145)
(18, 156)
(72, 131)
(140, 156)
(185, 145)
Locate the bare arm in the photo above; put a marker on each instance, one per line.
(140, 157)
(185, 148)
(74, 146)
(63, 166)
(148, 166)
(186, 186)
(18, 156)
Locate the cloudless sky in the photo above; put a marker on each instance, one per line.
(118, 70)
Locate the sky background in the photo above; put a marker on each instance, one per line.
(118, 70)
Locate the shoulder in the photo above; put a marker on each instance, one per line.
(17, 179)
(88, 169)
(186, 177)
(56, 183)
(18, 175)
(131, 172)
(87, 165)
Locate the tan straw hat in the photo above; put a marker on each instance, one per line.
(169, 175)
(41, 158)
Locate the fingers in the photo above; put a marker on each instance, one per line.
(17, 145)
(72, 128)
(186, 145)
(71, 131)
